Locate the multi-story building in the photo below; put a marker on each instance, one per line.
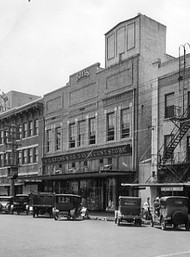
(14, 99)
(98, 127)
(171, 134)
(21, 147)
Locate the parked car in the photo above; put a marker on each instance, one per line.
(173, 211)
(129, 210)
(5, 204)
(67, 205)
(20, 204)
(42, 203)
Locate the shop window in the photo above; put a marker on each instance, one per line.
(57, 138)
(125, 122)
(72, 135)
(169, 105)
(110, 126)
(92, 131)
(81, 135)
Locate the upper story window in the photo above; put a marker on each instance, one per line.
(48, 140)
(30, 155)
(1, 160)
(110, 126)
(125, 122)
(25, 130)
(92, 131)
(30, 128)
(169, 105)
(1, 136)
(24, 156)
(36, 127)
(72, 135)
(19, 157)
(57, 138)
(19, 131)
(130, 36)
(35, 152)
(81, 135)
(111, 47)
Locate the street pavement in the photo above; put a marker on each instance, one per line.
(25, 236)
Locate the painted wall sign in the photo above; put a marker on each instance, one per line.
(93, 154)
(82, 74)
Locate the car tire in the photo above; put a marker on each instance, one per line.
(163, 224)
(118, 222)
(187, 226)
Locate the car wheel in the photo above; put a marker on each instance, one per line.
(118, 222)
(163, 224)
(187, 226)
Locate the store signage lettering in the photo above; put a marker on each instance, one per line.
(96, 153)
(171, 188)
(82, 74)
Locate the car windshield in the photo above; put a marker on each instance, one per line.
(4, 199)
(127, 202)
(21, 198)
(177, 202)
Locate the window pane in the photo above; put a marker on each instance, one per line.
(82, 129)
(58, 138)
(72, 135)
(110, 126)
(125, 123)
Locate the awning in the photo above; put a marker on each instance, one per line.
(80, 175)
(157, 184)
(8, 185)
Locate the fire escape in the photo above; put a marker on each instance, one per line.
(167, 167)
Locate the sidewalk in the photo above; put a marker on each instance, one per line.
(105, 216)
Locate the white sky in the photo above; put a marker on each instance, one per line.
(43, 42)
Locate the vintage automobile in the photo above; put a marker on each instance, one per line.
(42, 203)
(5, 204)
(129, 210)
(67, 205)
(173, 211)
(20, 204)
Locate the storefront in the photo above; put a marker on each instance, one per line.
(99, 190)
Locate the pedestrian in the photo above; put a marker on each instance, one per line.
(147, 208)
(157, 206)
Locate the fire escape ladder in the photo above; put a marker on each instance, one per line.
(177, 133)
(169, 149)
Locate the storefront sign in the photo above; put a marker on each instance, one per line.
(93, 154)
(171, 188)
(82, 74)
